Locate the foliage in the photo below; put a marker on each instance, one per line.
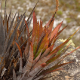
(26, 55)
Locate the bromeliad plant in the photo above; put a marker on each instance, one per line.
(26, 55)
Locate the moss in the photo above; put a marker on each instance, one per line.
(59, 13)
(68, 20)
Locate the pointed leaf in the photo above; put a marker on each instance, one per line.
(32, 11)
(30, 59)
(37, 58)
(54, 67)
(41, 61)
(69, 53)
(47, 51)
(34, 24)
(27, 28)
(61, 45)
(35, 71)
(14, 75)
(50, 27)
(19, 50)
(48, 72)
(49, 22)
(61, 30)
(55, 31)
(13, 34)
(20, 67)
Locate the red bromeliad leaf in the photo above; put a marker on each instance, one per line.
(36, 34)
(41, 28)
(61, 30)
(54, 52)
(34, 25)
(60, 65)
(43, 64)
(39, 48)
(68, 45)
(41, 61)
(53, 40)
(52, 69)
(30, 59)
(69, 53)
(75, 49)
(39, 45)
(61, 45)
(26, 50)
(55, 31)
(19, 50)
(42, 45)
(74, 33)
(37, 58)
(61, 58)
(35, 71)
(47, 25)
(27, 28)
(49, 29)
(18, 34)
(47, 51)
(53, 59)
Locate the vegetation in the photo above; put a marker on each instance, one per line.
(30, 55)
(59, 13)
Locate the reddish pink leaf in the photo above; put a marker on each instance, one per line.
(53, 71)
(47, 51)
(41, 61)
(50, 27)
(37, 58)
(43, 64)
(61, 30)
(30, 59)
(27, 28)
(55, 31)
(19, 50)
(49, 22)
(34, 25)
(40, 28)
(69, 53)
